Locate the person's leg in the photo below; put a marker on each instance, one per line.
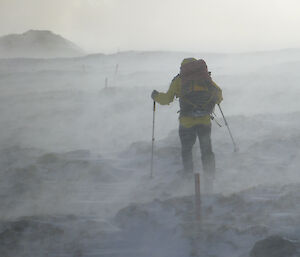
(207, 156)
(188, 139)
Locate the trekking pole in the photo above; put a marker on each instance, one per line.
(234, 145)
(153, 123)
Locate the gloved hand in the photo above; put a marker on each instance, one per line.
(154, 94)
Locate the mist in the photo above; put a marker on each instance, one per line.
(76, 147)
(76, 138)
(197, 26)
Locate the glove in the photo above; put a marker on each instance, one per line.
(154, 94)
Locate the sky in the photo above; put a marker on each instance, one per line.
(109, 26)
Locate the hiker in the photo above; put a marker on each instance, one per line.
(197, 94)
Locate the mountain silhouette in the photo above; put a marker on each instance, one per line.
(37, 44)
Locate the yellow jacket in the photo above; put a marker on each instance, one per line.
(175, 91)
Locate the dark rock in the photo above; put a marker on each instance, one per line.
(274, 246)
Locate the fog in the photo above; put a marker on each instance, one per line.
(63, 104)
(76, 150)
(111, 25)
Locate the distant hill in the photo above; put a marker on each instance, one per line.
(37, 44)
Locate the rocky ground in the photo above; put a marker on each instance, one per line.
(80, 203)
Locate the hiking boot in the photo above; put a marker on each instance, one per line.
(184, 174)
(208, 184)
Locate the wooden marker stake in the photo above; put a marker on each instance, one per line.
(197, 197)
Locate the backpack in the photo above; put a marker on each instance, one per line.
(198, 94)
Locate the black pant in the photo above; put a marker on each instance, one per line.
(188, 138)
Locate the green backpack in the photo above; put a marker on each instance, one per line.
(198, 94)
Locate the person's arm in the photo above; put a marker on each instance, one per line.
(219, 96)
(168, 97)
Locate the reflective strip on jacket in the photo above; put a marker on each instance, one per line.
(175, 91)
